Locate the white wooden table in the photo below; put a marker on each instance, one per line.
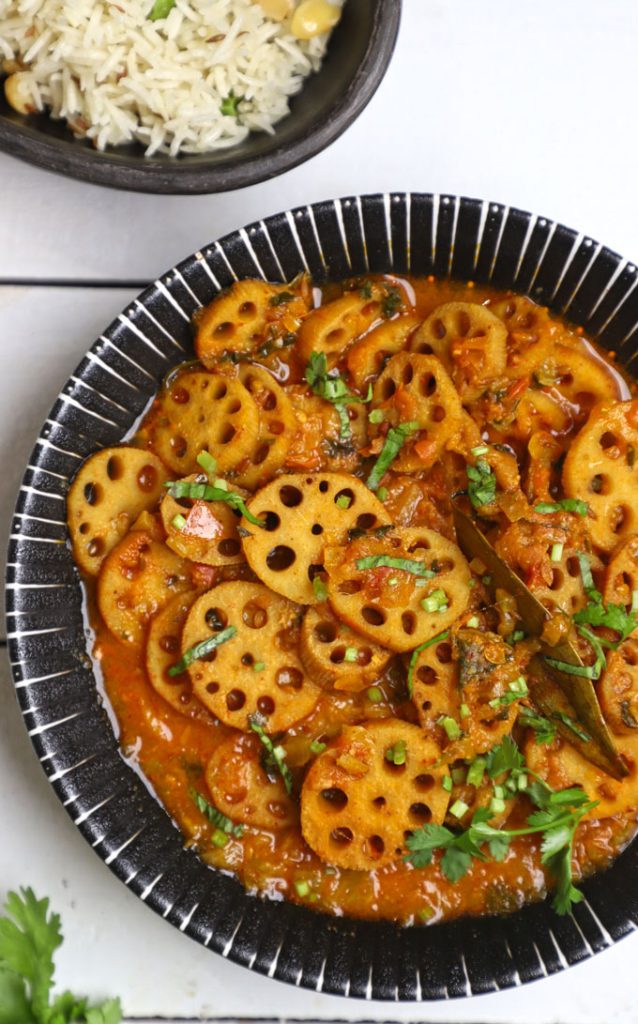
(530, 103)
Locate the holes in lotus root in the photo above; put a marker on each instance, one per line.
(345, 498)
(342, 836)
(334, 798)
(280, 558)
(408, 621)
(271, 521)
(374, 616)
(162, 653)
(288, 676)
(316, 529)
(376, 847)
(600, 484)
(254, 615)
(420, 813)
(424, 783)
(290, 496)
(326, 632)
(235, 700)
(146, 479)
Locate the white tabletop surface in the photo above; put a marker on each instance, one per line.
(529, 103)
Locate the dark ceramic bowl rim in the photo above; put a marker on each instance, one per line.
(68, 725)
(85, 164)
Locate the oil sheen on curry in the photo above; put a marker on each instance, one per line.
(331, 694)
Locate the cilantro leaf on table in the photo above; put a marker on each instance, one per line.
(29, 936)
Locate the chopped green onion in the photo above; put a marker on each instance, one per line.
(459, 808)
(391, 562)
(481, 449)
(200, 650)
(222, 484)
(393, 582)
(481, 488)
(320, 589)
(376, 416)
(259, 666)
(452, 727)
(397, 753)
(219, 838)
(499, 792)
(351, 654)
(476, 772)
(208, 463)
(435, 601)
(557, 552)
(343, 501)
(414, 657)
(521, 782)
(374, 695)
(473, 623)
(317, 747)
(302, 888)
(382, 493)
(585, 671)
(516, 689)
(178, 521)
(513, 638)
(446, 782)
(486, 580)
(394, 441)
(497, 805)
(634, 602)
(464, 711)
(216, 817)
(276, 753)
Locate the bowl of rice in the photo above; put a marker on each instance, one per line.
(186, 96)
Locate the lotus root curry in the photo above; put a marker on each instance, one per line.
(330, 697)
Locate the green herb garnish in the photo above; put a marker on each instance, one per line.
(320, 589)
(544, 730)
(275, 755)
(516, 690)
(414, 657)
(391, 302)
(450, 726)
(481, 487)
(200, 650)
(229, 104)
(281, 298)
(29, 936)
(329, 385)
(581, 508)
(397, 753)
(559, 814)
(410, 565)
(571, 724)
(394, 441)
(209, 492)
(317, 747)
(161, 9)
(216, 817)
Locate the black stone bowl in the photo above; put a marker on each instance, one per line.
(56, 688)
(358, 55)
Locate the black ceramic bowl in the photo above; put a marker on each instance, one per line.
(69, 728)
(357, 58)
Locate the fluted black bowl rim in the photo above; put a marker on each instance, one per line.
(68, 724)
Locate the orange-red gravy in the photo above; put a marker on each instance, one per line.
(172, 751)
